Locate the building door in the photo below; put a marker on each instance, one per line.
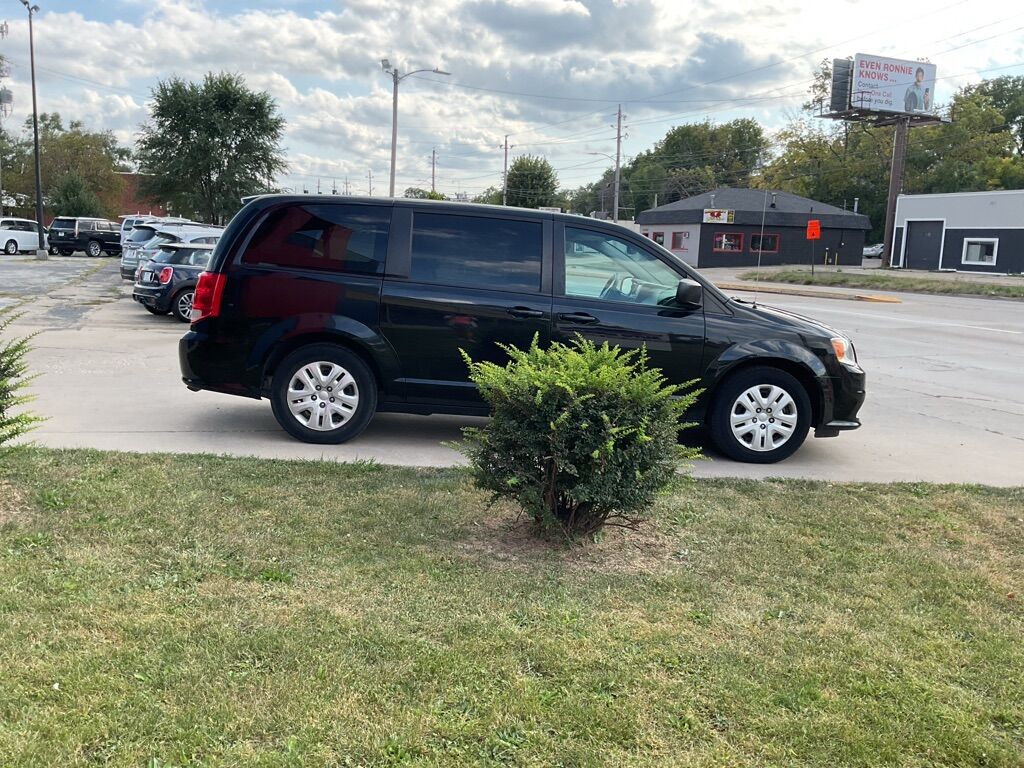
(924, 244)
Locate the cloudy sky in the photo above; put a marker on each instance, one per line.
(550, 73)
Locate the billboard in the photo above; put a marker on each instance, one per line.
(893, 85)
(718, 216)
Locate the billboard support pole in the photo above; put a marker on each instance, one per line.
(899, 158)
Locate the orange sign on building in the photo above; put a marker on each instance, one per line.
(814, 229)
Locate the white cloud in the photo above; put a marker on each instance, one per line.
(670, 59)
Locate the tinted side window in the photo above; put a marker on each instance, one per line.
(339, 238)
(477, 252)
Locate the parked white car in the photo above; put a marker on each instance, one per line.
(18, 235)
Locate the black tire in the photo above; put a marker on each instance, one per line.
(66, 251)
(725, 401)
(11, 247)
(93, 249)
(365, 387)
(154, 310)
(181, 304)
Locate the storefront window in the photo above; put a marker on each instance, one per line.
(728, 242)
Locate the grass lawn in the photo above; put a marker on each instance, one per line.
(891, 282)
(172, 611)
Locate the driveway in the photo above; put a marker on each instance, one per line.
(944, 382)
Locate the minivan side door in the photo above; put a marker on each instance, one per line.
(28, 235)
(610, 288)
(465, 281)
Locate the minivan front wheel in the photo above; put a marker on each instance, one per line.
(323, 394)
(760, 415)
(11, 247)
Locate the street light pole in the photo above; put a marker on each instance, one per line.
(396, 78)
(32, 10)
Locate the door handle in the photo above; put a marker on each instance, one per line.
(525, 312)
(580, 318)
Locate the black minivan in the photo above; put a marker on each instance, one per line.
(337, 308)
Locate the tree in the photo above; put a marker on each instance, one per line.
(72, 197)
(93, 157)
(836, 163)
(209, 144)
(490, 196)
(531, 183)
(1007, 96)
(423, 194)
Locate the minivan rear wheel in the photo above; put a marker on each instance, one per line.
(760, 415)
(323, 393)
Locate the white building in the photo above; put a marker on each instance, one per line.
(962, 231)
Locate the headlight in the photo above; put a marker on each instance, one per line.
(844, 350)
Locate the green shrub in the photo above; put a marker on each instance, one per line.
(13, 379)
(580, 436)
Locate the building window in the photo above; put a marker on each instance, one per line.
(658, 237)
(764, 243)
(980, 251)
(727, 242)
(679, 240)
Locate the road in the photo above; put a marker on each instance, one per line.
(945, 383)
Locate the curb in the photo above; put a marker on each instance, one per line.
(814, 294)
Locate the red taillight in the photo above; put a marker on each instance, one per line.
(165, 275)
(206, 301)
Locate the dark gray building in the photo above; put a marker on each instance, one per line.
(961, 231)
(722, 228)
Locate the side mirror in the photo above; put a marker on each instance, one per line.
(689, 294)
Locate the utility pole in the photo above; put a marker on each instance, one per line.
(369, 177)
(899, 159)
(318, 185)
(32, 10)
(433, 170)
(347, 188)
(618, 162)
(504, 176)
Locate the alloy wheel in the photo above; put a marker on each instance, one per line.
(185, 304)
(322, 396)
(763, 417)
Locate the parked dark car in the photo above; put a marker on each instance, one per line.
(93, 236)
(336, 310)
(167, 282)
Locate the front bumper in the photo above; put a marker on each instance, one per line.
(848, 394)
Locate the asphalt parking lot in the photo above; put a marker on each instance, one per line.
(945, 377)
